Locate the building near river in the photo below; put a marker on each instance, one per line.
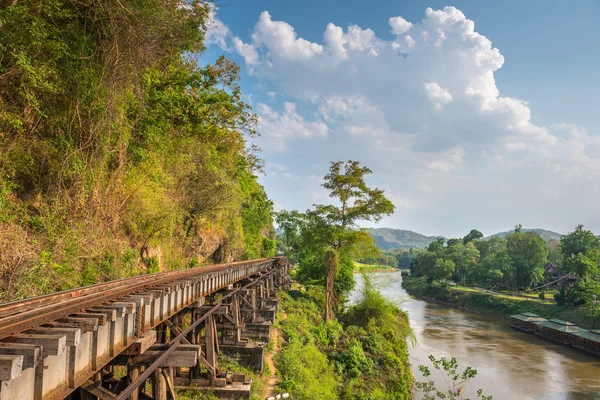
(588, 341)
(559, 330)
(527, 321)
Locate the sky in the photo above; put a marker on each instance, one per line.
(471, 114)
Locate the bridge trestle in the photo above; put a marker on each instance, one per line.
(148, 343)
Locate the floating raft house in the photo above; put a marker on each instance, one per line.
(526, 321)
(558, 330)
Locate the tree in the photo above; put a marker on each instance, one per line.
(453, 242)
(581, 252)
(357, 202)
(442, 269)
(464, 258)
(473, 235)
(291, 224)
(334, 227)
(491, 246)
(495, 270)
(528, 252)
(424, 264)
(437, 247)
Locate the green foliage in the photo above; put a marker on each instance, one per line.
(452, 375)
(528, 252)
(353, 360)
(116, 141)
(473, 235)
(362, 356)
(581, 252)
(307, 236)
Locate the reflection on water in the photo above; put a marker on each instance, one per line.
(510, 364)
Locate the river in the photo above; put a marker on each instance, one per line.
(510, 364)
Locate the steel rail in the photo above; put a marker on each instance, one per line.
(174, 343)
(38, 315)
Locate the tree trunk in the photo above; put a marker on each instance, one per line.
(332, 266)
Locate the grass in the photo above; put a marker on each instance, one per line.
(360, 267)
(530, 296)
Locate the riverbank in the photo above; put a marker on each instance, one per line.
(491, 303)
(362, 354)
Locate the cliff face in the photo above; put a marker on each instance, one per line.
(119, 153)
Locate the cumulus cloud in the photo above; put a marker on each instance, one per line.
(280, 128)
(216, 31)
(399, 25)
(437, 94)
(425, 109)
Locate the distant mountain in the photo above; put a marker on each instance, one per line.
(544, 233)
(388, 239)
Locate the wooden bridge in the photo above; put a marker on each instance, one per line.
(141, 337)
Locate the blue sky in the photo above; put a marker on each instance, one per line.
(465, 127)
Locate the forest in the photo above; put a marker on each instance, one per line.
(122, 152)
(518, 263)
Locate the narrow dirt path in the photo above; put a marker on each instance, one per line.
(273, 378)
(269, 389)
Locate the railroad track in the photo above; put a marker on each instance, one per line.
(72, 339)
(20, 315)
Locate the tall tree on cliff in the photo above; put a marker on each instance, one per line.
(356, 202)
(325, 239)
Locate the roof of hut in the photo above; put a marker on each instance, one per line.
(593, 335)
(562, 326)
(528, 317)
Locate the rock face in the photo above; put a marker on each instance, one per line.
(210, 243)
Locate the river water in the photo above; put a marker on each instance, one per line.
(510, 364)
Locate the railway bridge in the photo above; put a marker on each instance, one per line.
(142, 337)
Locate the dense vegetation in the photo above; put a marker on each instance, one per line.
(361, 355)
(513, 264)
(121, 153)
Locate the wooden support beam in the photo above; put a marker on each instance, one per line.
(130, 306)
(179, 358)
(142, 344)
(98, 391)
(176, 330)
(98, 316)
(120, 310)
(52, 345)
(159, 385)
(32, 354)
(73, 334)
(132, 374)
(10, 367)
(86, 324)
(170, 384)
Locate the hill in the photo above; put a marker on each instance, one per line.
(544, 233)
(388, 239)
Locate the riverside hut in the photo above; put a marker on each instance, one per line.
(559, 330)
(527, 321)
(588, 341)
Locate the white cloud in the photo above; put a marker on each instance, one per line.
(247, 51)
(281, 41)
(438, 95)
(281, 128)
(399, 25)
(424, 112)
(216, 31)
